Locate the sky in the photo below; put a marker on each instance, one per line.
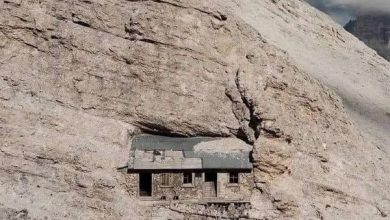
(344, 10)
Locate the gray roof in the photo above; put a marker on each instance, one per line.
(227, 161)
(188, 158)
(156, 142)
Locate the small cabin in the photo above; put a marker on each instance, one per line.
(196, 169)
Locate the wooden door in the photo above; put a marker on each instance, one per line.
(210, 185)
(209, 189)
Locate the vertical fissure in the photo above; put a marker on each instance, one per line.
(254, 120)
(244, 110)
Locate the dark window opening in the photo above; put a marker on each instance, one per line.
(176, 198)
(210, 177)
(233, 177)
(187, 178)
(198, 175)
(145, 184)
(163, 198)
(165, 179)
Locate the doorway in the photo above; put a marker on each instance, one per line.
(210, 184)
(145, 184)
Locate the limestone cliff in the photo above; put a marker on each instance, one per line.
(80, 78)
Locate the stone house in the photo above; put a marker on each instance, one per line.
(196, 169)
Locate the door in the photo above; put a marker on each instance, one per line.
(145, 184)
(210, 184)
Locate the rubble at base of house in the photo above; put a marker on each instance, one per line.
(213, 210)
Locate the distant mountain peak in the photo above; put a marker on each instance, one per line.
(374, 30)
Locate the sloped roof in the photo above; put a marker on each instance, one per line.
(227, 161)
(156, 142)
(190, 157)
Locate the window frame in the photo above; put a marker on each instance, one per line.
(165, 179)
(198, 174)
(234, 178)
(184, 177)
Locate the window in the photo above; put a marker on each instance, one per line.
(187, 178)
(164, 179)
(198, 175)
(233, 177)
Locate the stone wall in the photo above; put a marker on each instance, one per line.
(194, 191)
(176, 187)
(131, 183)
(240, 191)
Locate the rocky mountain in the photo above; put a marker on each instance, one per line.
(374, 30)
(80, 78)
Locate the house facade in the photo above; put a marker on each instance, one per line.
(195, 169)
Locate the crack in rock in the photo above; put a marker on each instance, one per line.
(243, 108)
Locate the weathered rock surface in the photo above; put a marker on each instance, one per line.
(79, 78)
(330, 54)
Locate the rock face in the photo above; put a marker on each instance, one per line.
(374, 30)
(80, 78)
